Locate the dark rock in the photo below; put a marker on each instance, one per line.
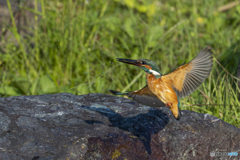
(98, 126)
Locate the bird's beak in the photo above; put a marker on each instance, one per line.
(130, 61)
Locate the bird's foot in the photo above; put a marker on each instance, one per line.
(169, 104)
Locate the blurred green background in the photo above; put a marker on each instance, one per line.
(73, 44)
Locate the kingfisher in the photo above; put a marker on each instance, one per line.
(166, 90)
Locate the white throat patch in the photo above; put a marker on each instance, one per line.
(155, 73)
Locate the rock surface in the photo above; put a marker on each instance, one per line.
(97, 126)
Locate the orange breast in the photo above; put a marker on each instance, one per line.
(162, 89)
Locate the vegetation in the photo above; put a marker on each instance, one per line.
(75, 43)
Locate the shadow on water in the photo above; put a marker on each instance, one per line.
(142, 125)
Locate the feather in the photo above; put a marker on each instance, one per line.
(187, 78)
(143, 96)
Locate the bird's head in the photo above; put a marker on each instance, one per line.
(147, 65)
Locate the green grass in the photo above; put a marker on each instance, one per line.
(76, 43)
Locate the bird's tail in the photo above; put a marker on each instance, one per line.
(118, 93)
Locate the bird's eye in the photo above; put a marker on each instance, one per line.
(143, 62)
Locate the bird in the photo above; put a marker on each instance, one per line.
(166, 90)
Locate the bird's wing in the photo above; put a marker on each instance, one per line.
(186, 78)
(143, 96)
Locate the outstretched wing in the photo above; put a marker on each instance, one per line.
(144, 96)
(186, 78)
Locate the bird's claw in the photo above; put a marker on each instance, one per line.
(169, 104)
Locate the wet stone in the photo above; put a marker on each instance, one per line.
(4, 122)
(98, 126)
